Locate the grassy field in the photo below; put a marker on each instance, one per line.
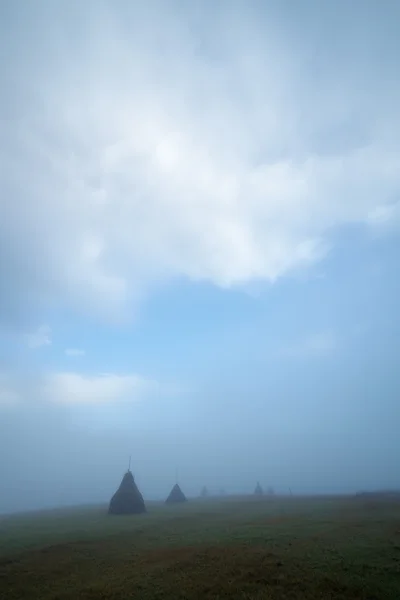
(228, 548)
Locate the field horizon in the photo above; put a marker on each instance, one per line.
(160, 501)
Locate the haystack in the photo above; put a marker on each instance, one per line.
(258, 491)
(176, 495)
(127, 499)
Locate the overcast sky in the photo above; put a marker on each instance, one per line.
(199, 247)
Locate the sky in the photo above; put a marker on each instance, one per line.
(199, 247)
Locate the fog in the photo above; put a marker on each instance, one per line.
(199, 244)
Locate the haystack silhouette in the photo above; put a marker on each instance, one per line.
(258, 491)
(127, 500)
(176, 495)
(204, 492)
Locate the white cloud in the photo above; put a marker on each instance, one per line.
(147, 152)
(385, 216)
(89, 391)
(75, 388)
(314, 345)
(75, 352)
(40, 337)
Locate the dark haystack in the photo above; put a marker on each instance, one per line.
(176, 495)
(258, 491)
(127, 500)
(204, 492)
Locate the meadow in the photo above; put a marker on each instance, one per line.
(245, 548)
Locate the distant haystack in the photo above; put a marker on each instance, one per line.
(127, 500)
(204, 492)
(176, 495)
(258, 491)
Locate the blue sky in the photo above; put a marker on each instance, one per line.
(199, 247)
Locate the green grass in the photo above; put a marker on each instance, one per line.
(229, 548)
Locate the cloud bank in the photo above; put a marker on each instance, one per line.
(75, 388)
(72, 388)
(141, 149)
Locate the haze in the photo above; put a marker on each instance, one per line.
(199, 247)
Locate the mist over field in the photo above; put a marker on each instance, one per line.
(199, 248)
